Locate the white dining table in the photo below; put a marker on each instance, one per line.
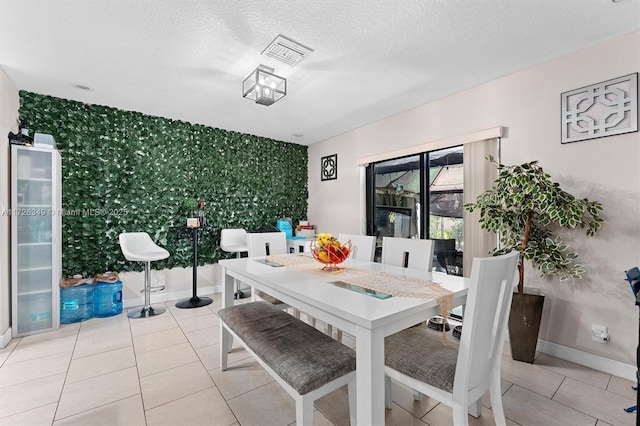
(367, 318)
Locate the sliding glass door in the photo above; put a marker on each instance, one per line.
(419, 196)
(393, 201)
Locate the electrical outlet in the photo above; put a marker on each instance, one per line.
(599, 333)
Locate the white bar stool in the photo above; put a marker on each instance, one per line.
(139, 247)
(234, 241)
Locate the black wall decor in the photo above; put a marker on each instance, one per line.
(126, 171)
(329, 167)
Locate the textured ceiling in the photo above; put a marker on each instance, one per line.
(186, 59)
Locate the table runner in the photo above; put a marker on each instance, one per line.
(396, 285)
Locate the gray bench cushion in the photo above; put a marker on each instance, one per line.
(421, 354)
(301, 355)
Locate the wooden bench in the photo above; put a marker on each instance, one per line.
(307, 363)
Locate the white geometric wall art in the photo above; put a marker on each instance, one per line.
(602, 109)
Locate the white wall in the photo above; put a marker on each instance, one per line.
(9, 104)
(528, 104)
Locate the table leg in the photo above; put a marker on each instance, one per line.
(370, 376)
(194, 301)
(226, 340)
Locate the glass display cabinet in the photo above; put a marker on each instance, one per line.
(36, 250)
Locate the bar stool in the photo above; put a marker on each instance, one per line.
(234, 241)
(139, 247)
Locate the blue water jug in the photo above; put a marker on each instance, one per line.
(284, 225)
(107, 299)
(76, 303)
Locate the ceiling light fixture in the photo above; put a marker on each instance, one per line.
(263, 86)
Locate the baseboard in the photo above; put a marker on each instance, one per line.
(597, 362)
(5, 338)
(169, 296)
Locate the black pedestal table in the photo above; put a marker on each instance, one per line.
(194, 301)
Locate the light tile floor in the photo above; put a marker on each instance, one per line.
(165, 370)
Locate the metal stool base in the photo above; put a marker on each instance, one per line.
(143, 312)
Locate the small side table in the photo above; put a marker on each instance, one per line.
(194, 301)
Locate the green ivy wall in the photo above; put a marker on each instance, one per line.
(125, 171)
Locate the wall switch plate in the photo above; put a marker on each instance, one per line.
(599, 333)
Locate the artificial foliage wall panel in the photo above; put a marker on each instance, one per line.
(125, 171)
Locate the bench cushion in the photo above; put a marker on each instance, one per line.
(301, 355)
(420, 353)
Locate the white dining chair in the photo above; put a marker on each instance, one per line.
(363, 246)
(407, 253)
(268, 244)
(459, 374)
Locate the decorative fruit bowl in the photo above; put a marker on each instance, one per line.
(327, 250)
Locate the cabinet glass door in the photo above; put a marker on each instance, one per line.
(33, 213)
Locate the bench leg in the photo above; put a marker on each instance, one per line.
(226, 341)
(304, 410)
(351, 388)
(387, 392)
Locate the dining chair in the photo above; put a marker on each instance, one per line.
(268, 244)
(407, 253)
(459, 374)
(452, 262)
(442, 246)
(363, 246)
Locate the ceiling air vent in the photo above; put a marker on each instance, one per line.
(286, 50)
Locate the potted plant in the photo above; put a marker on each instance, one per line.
(190, 205)
(525, 208)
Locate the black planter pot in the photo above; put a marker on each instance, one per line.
(524, 324)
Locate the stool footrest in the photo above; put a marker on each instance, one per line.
(154, 289)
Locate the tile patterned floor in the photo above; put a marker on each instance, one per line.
(166, 371)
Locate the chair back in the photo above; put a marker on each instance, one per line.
(485, 322)
(364, 246)
(266, 243)
(452, 262)
(233, 240)
(407, 253)
(138, 246)
(442, 246)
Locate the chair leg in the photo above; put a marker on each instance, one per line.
(475, 408)
(460, 416)
(496, 401)
(304, 410)
(339, 335)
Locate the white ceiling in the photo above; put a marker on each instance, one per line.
(186, 59)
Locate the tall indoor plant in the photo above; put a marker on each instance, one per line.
(525, 208)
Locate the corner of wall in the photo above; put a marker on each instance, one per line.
(9, 105)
